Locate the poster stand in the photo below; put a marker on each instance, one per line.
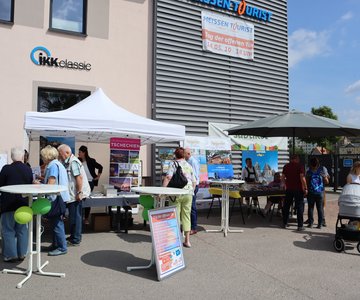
(166, 241)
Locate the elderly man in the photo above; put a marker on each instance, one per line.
(196, 167)
(14, 235)
(79, 189)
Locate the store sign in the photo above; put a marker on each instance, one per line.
(41, 56)
(241, 8)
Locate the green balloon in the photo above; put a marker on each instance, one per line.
(41, 206)
(23, 215)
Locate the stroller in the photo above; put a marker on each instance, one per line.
(348, 221)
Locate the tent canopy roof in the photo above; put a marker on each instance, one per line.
(97, 119)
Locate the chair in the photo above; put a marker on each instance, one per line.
(216, 193)
(274, 200)
(147, 201)
(235, 195)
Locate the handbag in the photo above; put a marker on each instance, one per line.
(58, 208)
(178, 180)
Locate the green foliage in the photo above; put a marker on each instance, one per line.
(325, 142)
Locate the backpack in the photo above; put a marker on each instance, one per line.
(178, 180)
(316, 183)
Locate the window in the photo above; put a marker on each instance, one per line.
(7, 11)
(68, 15)
(56, 99)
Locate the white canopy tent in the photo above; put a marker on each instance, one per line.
(97, 119)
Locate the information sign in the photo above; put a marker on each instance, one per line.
(166, 240)
(347, 162)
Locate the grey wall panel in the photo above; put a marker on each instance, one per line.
(193, 87)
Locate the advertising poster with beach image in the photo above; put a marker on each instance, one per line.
(124, 163)
(264, 162)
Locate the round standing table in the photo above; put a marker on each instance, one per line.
(160, 194)
(225, 186)
(30, 190)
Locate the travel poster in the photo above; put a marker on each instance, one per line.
(264, 162)
(166, 156)
(124, 163)
(166, 240)
(219, 164)
(214, 156)
(55, 141)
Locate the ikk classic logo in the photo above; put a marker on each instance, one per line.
(41, 56)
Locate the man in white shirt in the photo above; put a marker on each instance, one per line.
(196, 167)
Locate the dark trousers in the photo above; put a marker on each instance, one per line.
(299, 205)
(318, 200)
(87, 209)
(75, 221)
(193, 214)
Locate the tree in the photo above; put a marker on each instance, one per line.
(324, 142)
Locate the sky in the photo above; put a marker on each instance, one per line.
(324, 56)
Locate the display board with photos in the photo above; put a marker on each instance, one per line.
(124, 163)
(214, 156)
(212, 153)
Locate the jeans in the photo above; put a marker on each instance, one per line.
(194, 210)
(14, 236)
(318, 200)
(75, 221)
(299, 205)
(59, 239)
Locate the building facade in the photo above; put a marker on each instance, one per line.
(146, 55)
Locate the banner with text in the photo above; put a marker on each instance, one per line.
(248, 142)
(227, 35)
(124, 163)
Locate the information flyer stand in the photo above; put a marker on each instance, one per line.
(166, 240)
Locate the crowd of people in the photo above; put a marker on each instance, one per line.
(62, 167)
(298, 183)
(82, 173)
